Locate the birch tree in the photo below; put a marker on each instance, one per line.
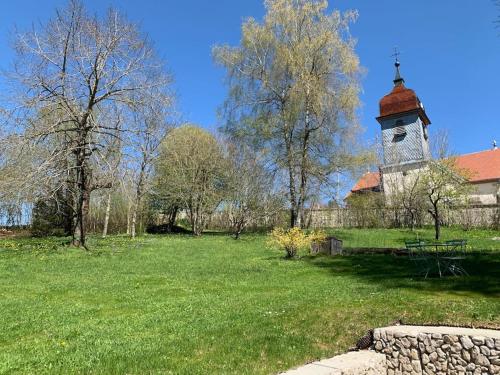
(83, 68)
(293, 91)
(113, 161)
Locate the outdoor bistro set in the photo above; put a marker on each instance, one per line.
(442, 257)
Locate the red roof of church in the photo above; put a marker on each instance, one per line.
(369, 180)
(483, 166)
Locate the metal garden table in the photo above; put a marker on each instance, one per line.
(443, 256)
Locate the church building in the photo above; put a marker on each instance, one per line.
(405, 141)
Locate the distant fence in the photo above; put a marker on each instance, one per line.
(470, 217)
(467, 217)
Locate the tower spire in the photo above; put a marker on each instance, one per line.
(398, 80)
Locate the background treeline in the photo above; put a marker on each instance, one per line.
(92, 141)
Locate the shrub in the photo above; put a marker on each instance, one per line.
(293, 240)
(50, 218)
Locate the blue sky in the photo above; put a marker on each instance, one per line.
(450, 54)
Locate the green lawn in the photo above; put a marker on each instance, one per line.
(212, 305)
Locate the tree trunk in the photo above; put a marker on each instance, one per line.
(437, 223)
(137, 203)
(437, 228)
(199, 226)
(172, 216)
(106, 216)
(303, 174)
(412, 221)
(133, 221)
(82, 205)
(129, 208)
(79, 233)
(294, 214)
(194, 225)
(238, 228)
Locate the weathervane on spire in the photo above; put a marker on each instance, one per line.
(398, 80)
(396, 54)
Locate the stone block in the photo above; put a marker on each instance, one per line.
(466, 342)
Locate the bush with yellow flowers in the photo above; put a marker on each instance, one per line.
(293, 240)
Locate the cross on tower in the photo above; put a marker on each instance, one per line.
(396, 54)
(398, 80)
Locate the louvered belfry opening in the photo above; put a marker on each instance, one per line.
(399, 131)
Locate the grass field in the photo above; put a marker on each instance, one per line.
(213, 305)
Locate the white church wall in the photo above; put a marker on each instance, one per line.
(485, 193)
(400, 178)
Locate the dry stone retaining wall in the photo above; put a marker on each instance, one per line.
(413, 350)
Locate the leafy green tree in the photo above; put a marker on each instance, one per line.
(293, 92)
(192, 170)
(366, 209)
(442, 184)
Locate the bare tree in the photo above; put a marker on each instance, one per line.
(252, 195)
(83, 68)
(151, 127)
(440, 147)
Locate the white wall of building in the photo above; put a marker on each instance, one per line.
(401, 178)
(485, 193)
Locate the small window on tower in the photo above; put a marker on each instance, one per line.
(399, 131)
(426, 134)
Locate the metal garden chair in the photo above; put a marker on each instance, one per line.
(454, 255)
(419, 256)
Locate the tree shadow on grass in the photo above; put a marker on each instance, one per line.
(393, 272)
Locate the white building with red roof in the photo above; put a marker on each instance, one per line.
(405, 142)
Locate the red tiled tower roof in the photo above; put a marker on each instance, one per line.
(401, 99)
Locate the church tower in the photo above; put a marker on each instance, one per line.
(404, 125)
(405, 137)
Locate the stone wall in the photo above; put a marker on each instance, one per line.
(416, 350)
